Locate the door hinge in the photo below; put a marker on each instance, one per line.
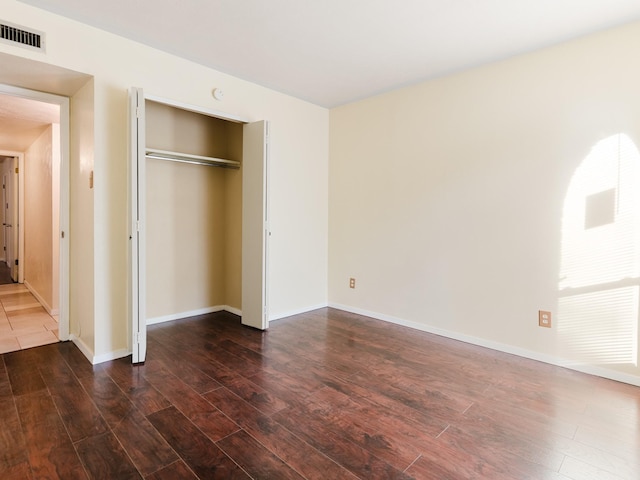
(138, 114)
(17, 170)
(16, 261)
(136, 338)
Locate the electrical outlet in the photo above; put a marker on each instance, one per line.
(544, 319)
(352, 282)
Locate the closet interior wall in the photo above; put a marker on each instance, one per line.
(194, 216)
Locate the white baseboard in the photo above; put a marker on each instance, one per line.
(83, 347)
(123, 352)
(227, 308)
(44, 304)
(501, 347)
(291, 313)
(95, 359)
(193, 313)
(235, 311)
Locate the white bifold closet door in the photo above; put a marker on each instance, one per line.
(255, 229)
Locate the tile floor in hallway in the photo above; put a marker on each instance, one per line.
(23, 321)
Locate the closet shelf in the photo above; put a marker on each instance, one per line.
(188, 158)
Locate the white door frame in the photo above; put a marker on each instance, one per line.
(137, 257)
(63, 103)
(17, 242)
(4, 216)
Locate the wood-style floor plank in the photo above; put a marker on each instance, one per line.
(77, 410)
(20, 471)
(211, 421)
(135, 386)
(192, 376)
(329, 440)
(13, 453)
(325, 394)
(194, 447)
(176, 471)
(110, 400)
(297, 453)
(255, 459)
(24, 376)
(104, 457)
(142, 442)
(50, 451)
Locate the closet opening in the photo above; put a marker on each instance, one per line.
(193, 214)
(199, 225)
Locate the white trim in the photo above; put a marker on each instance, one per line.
(298, 311)
(63, 217)
(501, 347)
(235, 311)
(106, 357)
(19, 156)
(193, 313)
(95, 359)
(21, 223)
(83, 347)
(42, 301)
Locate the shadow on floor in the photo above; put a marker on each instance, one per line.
(5, 274)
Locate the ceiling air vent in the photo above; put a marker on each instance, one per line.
(16, 35)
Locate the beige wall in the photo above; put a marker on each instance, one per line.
(299, 174)
(41, 162)
(186, 241)
(447, 199)
(81, 216)
(191, 267)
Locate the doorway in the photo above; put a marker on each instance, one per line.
(33, 149)
(8, 164)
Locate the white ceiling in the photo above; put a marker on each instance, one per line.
(22, 121)
(332, 52)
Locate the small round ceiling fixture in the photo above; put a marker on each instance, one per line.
(217, 93)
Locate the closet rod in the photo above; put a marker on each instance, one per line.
(189, 158)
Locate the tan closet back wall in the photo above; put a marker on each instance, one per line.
(194, 214)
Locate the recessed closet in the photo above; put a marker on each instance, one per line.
(194, 215)
(199, 220)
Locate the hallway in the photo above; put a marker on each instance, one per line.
(23, 321)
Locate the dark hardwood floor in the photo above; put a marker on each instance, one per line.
(323, 395)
